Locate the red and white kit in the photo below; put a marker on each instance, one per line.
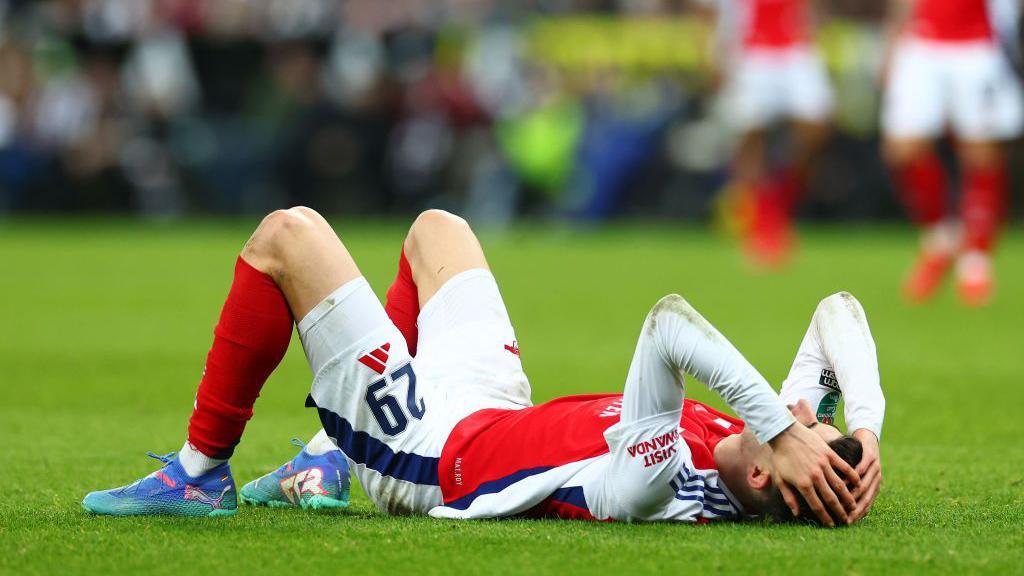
(647, 455)
(500, 462)
(451, 432)
(777, 73)
(948, 70)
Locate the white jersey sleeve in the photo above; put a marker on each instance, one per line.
(837, 359)
(692, 345)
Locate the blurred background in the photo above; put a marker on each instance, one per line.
(566, 109)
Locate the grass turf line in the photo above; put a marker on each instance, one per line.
(105, 326)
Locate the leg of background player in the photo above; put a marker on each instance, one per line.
(735, 204)
(292, 261)
(770, 240)
(983, 207)
(920, 179)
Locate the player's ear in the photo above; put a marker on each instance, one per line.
(758, 478)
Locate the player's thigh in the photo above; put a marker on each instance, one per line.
(986, 99)
(301, 251)
(468, 347)
(439, 246)
(371, 400)
(914, 103)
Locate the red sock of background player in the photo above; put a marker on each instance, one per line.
(922, 186)
(403, 304)
(789, 188)
(983, 206)
(249, 341)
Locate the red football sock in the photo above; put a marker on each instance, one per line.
(789, 188)
(983, 205)
(922, 186)
(403, 304)
(249, 341)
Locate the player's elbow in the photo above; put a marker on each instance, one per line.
(840, 304)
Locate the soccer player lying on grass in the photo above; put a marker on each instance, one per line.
(405, 390)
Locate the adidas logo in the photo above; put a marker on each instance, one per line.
(377, 359)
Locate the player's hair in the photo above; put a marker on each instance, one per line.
(775, 508)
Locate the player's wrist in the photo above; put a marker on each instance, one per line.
(863, 434)
(784, 436)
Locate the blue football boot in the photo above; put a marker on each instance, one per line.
(169, 492)
(308, 481)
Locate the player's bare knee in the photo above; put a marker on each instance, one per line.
(266, 248)
(432, 225)
(434, 222)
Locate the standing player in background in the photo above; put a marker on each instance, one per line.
(773, 73)
(947, 69)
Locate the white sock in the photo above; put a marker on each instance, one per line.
(942, 238)
(195, 462)
(320, 444)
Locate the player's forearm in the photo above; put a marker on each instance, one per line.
(690, 344)
(845, 339)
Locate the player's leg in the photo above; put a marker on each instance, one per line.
(440, 246)
(289, 485)
(466, 341)
(463, 323)
(987, 108)
(750, 100)
(807, 98)
(983, 210)
(914, 114)
(292, 260)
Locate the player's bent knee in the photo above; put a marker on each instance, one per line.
(433, 225)
(433, 222)
(279, 228)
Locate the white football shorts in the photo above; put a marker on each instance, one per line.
(769, 85)
(968, 86)
(390, 413)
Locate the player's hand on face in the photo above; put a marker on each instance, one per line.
(870, 470)
(802, 461)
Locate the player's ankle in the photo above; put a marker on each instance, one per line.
(194, 462)
(942, 238)
(320, 444)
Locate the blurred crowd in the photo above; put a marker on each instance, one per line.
(577, 108)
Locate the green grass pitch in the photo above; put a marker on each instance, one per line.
(104, 327)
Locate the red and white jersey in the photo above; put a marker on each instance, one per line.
(775, 23)
(536, 461)
(951, 20)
